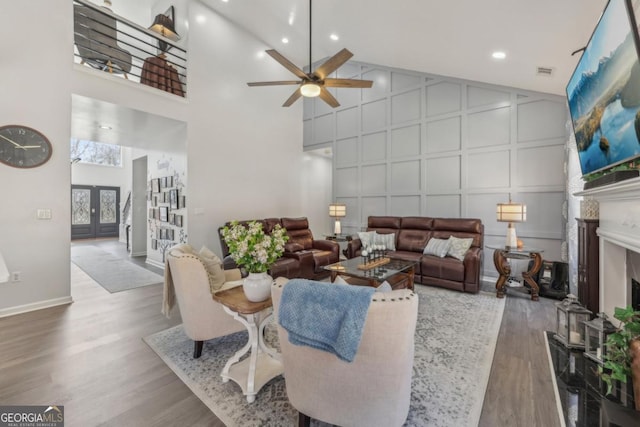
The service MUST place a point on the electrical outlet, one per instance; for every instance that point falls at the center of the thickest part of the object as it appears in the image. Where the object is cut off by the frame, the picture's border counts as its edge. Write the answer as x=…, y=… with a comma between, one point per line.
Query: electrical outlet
x=16, y=276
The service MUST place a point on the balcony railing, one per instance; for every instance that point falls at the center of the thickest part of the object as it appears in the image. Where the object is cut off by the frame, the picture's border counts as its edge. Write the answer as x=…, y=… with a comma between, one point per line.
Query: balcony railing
x=108, y=42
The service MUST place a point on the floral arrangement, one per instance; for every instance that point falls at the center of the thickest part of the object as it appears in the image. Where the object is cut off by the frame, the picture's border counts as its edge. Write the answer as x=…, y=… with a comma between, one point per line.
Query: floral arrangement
x=252, y=248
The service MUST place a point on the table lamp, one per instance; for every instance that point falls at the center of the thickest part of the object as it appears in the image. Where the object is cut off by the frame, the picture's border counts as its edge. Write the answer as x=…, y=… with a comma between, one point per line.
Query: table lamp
x=337, y=211
x=511, y=212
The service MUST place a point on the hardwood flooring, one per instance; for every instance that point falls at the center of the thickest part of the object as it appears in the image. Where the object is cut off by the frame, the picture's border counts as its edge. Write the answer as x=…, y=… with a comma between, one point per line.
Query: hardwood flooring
x=89, y=356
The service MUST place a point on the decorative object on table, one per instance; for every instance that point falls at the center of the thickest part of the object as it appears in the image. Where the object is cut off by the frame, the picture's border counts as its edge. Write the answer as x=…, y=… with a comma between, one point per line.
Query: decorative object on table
x=622, y=358
x=596, y=332
x=511, y=212
x=23, y=147
x=253, y=249
x=589, y=208
x=314, y=83
x=570, y=318
x=337, y=211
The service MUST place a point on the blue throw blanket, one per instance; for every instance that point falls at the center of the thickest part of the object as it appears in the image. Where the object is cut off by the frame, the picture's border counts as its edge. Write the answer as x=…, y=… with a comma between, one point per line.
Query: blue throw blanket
x=326, y=316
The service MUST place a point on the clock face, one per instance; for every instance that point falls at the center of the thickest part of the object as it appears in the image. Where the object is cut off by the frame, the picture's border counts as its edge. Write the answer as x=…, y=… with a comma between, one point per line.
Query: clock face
x=23, y=147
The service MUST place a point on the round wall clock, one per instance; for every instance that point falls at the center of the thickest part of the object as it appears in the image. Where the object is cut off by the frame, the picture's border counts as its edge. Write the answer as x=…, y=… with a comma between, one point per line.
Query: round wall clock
x=23, y=147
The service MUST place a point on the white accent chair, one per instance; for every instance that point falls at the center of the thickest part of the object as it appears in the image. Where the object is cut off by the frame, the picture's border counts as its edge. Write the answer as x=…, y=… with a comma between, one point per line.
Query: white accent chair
x=202, y=317
x=374, y=389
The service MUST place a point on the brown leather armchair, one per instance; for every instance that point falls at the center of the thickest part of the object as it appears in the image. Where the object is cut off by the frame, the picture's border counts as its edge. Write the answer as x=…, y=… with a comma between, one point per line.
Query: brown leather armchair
x=312, y=254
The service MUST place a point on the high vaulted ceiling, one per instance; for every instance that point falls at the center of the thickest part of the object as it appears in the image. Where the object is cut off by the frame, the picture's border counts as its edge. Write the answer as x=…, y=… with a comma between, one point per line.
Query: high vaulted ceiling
x=447, y=37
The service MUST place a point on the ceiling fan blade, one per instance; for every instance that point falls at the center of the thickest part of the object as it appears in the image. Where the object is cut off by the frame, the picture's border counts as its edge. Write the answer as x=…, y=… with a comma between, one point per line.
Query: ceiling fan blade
x=326, y=96
x=293, y=98
x=287, y=64
x=348, y=83
x=332, y=64
x=282, y=82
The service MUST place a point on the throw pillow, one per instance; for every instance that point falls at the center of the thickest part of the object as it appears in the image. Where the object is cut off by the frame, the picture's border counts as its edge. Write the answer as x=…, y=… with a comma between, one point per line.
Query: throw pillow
x=386, y=240
x=459, y=247
x=366, y=237
x=213, y=265
x=437, y=247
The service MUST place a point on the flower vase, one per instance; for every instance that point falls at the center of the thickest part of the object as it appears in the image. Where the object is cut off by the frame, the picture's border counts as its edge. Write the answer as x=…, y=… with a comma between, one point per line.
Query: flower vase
x=257, y=286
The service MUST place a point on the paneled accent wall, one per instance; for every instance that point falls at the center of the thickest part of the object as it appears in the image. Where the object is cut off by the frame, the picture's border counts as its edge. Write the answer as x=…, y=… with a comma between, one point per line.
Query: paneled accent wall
x=420, y=144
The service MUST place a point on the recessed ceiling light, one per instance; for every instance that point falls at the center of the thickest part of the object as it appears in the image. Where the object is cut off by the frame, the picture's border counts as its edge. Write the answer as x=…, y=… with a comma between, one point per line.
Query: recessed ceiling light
x=334, y=37
x=285, y=40
x=225, y=1
x=105, y=127
x=200, y=19
x=499, y=55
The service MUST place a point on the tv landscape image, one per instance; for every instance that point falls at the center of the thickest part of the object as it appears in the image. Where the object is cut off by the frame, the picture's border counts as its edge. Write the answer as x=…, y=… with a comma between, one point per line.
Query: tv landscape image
x=604, y=93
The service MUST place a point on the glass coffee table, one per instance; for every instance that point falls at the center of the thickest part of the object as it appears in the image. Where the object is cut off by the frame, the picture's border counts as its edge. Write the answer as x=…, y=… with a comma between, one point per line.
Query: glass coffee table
x=399, y=273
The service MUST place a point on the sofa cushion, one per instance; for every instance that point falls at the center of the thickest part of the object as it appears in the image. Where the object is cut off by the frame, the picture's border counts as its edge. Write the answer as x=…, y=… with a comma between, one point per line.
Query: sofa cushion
x=447, y=268
x=459, y=247
x=388, y=240
x=389, y=222
x=412, y=239
x=298, y=231
x=437, y=247
x=366, y=237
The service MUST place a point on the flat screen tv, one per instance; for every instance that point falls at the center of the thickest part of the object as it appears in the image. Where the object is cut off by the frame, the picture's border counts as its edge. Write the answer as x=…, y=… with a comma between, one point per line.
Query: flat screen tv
x=604, y=92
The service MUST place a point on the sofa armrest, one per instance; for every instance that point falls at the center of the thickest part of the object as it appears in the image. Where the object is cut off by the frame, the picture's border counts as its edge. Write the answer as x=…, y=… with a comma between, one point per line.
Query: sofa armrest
x=305, y=258
x=472, y=265
x=327, y=245
x=353, y=247
x=293, y=247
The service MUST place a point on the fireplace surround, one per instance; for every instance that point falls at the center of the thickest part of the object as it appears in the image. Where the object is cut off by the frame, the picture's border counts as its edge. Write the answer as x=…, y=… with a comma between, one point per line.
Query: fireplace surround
x=619, y=240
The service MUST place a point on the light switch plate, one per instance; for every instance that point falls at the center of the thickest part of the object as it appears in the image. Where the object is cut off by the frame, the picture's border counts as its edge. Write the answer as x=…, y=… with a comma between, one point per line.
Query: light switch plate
x=43, y=214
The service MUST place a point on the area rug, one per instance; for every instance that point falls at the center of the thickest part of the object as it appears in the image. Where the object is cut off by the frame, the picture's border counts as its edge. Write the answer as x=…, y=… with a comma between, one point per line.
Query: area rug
x=112, y=273
x=454, y=345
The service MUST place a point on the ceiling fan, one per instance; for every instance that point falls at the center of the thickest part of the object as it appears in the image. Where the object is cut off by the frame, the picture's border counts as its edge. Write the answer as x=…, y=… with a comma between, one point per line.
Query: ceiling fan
x=314, y=83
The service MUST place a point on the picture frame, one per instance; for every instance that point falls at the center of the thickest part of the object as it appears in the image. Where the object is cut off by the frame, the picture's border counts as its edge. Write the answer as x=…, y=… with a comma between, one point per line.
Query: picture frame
x=173, y=199
x=154, y=202
x=163, y=182
x=169, y=181
x=172, y=218
x=183, y=202
x=164, y=213
x=170, y=234
x=155, y=185
x=154, y=244
x=178, y=220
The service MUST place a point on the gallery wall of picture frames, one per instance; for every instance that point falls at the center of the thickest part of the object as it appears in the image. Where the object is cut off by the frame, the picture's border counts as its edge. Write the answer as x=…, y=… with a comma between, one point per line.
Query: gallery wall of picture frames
x=165, y=200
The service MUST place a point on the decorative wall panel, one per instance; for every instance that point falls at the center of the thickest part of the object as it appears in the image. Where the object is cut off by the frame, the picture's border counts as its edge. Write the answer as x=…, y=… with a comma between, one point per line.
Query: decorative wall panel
x=443, y=206
x=405, y=107
x=346, y=151
x=443, y=135
x=443, y=175
x=374, y=115
x=488, y=170
x=374, y=146
x=405, y=177
x=405, y=141
x=323, y=129
x=540, y=166
x=481, y=96
x=347, y=122
x=400, y=81
x=372, y=206
x=443, y=98
x=489, y=128
x=374, y=179
x=541, y=120
x=346, y=182
x=405, y=205
x=380, y=86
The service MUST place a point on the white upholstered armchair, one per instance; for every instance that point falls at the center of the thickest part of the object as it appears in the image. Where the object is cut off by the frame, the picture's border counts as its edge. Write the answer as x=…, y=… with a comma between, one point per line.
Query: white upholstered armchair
x=202, y=317
x=372, y=390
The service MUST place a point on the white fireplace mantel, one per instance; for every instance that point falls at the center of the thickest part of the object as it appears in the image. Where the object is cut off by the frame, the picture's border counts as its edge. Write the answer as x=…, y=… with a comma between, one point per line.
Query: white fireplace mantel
x=619, y=231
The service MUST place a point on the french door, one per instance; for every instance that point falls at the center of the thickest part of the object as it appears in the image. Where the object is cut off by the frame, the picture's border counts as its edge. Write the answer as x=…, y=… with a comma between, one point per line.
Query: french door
x=95, y=211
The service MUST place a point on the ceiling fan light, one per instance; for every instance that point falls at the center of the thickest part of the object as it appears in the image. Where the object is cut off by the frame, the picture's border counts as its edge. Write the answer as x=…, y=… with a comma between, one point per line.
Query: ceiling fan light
x=310, y=90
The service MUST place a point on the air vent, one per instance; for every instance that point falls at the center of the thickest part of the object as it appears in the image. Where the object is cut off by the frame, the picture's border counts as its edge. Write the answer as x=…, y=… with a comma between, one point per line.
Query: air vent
x=544, y=71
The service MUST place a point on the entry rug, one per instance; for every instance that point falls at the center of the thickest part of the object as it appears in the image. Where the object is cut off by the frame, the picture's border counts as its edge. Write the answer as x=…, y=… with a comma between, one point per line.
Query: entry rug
x=455, y=341
x=112, y=273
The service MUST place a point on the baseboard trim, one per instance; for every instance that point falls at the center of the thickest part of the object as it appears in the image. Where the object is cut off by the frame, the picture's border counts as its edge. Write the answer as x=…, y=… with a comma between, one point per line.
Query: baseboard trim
x=155, y=263
x=10, y=311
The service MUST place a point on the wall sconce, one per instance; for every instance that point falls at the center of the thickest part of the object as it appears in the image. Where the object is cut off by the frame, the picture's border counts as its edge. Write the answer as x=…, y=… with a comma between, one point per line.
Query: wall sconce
x=337, y=211
x=164, y=24
x=511, y=212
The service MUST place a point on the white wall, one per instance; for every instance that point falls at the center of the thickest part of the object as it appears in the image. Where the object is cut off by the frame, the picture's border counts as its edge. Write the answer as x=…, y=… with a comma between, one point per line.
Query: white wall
x=37, y=96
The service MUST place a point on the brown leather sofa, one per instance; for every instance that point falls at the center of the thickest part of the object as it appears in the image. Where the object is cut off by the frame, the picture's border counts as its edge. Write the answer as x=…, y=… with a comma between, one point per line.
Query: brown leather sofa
x=304, y=257
x=411, y=237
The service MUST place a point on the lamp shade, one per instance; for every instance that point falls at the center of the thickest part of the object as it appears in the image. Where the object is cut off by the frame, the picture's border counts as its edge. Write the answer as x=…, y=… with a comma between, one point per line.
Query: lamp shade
x=337, y=210
x=511, y=212
x=164, y=25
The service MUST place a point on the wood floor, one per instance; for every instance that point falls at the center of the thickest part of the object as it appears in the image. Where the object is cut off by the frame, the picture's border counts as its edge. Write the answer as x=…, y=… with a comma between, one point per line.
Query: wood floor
x=89, y=356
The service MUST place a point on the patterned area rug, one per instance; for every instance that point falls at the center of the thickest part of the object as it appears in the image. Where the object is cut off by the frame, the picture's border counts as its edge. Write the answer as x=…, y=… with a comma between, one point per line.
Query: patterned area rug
x=112, y=273
x=454, y=345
